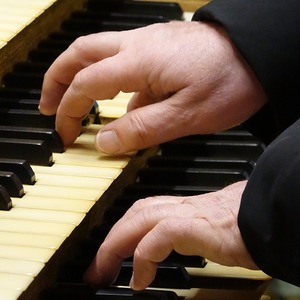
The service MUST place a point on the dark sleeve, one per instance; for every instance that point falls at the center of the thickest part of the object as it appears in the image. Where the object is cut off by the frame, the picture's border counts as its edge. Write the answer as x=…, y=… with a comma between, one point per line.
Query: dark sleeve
x=269, y=216
x=267, y=34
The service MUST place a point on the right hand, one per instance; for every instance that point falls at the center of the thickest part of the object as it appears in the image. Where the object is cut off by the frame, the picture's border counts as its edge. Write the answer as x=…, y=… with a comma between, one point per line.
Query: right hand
x=203, y=225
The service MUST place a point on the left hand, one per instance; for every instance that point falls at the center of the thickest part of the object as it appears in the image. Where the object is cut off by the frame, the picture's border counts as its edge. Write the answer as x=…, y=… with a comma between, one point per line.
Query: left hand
x=188, y=78
x=204, y=225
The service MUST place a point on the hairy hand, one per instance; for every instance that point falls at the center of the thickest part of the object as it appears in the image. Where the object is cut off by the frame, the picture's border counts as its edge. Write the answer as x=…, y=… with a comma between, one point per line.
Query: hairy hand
x=204, y=225
x=187, y=77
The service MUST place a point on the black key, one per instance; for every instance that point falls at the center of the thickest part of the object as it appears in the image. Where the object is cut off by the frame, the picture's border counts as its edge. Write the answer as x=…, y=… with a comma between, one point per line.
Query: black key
x=228, y=135
x=25, y=117
x=190, y=176
x=90, y=26
x=50, y=43
x=20, y=167
x=170, y=10
x=19, y=103
x=31, y=67
x=201, y=162
x=141, y=190
x=5, y=201
x=23, y=80
x=120, y=293
x=216, y=149
x=167, y=276
x=12, y=184
x=68, y=37
x=117, y=16
x=185, y=260
x=13, y=92
x=50, y=136
x=63, y=291
x=45, y=56
x=35, y=152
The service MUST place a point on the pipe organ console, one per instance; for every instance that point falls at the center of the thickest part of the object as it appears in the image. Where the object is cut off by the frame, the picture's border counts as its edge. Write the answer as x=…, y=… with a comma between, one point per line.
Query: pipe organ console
x=56, y=204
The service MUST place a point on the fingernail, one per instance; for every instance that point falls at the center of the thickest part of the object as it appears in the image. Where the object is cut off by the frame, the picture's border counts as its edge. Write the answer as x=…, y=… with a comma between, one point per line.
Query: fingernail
x=108, y=142
x=131, y=283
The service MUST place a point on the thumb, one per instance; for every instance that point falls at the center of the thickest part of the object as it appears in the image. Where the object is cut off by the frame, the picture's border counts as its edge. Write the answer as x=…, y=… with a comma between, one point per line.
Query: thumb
x=143, y=127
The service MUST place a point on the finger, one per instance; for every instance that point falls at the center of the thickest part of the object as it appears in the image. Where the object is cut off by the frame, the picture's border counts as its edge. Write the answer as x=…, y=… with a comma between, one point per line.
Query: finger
x=100, y=80
x=82, y=53
x=124, y=238
x=155, y=203
x=141, y=99
x=147, y=126
x=168, y=235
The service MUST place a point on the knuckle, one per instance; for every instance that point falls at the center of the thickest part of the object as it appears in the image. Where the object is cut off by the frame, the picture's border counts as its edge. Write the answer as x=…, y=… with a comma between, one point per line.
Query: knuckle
x=142, y=131
x=78, y=83
x=79, y=46
x=137, y=205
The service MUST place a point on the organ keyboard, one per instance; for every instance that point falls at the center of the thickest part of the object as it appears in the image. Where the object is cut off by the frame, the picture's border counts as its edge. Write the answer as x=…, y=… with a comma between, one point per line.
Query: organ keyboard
x=63, y=198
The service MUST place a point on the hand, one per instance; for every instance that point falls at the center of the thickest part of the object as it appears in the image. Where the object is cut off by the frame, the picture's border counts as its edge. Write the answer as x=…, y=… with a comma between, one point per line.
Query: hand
x=204, y=225
x=205, y=84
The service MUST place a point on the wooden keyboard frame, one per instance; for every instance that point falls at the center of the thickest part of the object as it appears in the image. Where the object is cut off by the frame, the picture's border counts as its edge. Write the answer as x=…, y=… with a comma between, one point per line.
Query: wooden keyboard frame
x=17, y=49
x=48, y=276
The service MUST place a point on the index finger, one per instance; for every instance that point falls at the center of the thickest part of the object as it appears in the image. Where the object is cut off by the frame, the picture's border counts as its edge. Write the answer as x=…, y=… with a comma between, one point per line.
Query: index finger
x=125, y=236
x=84, y=52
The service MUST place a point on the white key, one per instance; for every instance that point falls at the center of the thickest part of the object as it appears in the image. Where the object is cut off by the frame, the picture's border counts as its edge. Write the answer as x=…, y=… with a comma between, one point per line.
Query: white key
x=72, y=181
x=6, y=36
x=31, y=240
x=70, y=205
x=63, y=192
x=73, y=170
x=2, y=44
x=67, y=158
x=60, y=217
x=26, y=253
x=11, y=27
x=35, y=227
x=14, y=282
x=9, y=294
x=21, y=267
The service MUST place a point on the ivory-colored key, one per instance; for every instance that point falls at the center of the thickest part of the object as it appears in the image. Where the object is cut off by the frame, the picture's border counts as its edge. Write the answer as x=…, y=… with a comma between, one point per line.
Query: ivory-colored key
x=103, y=160
x=36, y=227
x=14, y=282
x=72, y=181
x=31, y=240
x=60, y=204
x=15, y=19
x=114, y=108
x=26, y=253
x=71, y=170
x=41, y=4
x=2, y=44
x=63, y=192
x=21, y=267
x=83, y=152
x=11, y=27
x=6, y=36
x=9, y=294
x=30, y=12
x=43, y=215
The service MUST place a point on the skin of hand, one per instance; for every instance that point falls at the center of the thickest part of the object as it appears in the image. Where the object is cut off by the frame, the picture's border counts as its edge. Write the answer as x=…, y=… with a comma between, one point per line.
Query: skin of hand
x=204, y=225
x=188, y=78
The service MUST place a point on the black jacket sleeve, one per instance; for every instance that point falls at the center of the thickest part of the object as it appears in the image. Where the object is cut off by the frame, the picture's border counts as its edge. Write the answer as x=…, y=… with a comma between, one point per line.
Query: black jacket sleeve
x=269, y=215
x=267, y=34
